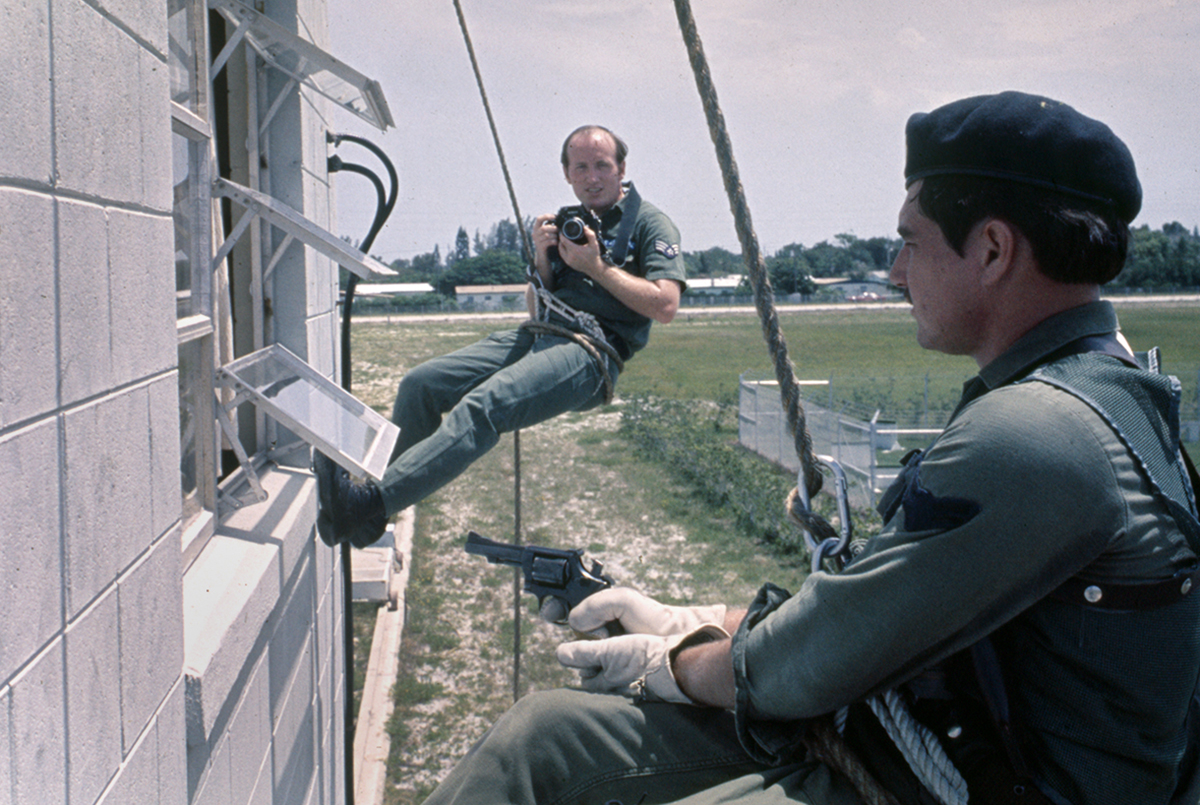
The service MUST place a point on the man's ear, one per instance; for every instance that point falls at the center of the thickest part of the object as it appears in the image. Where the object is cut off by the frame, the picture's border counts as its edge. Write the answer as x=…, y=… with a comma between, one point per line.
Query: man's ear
x=998, y=244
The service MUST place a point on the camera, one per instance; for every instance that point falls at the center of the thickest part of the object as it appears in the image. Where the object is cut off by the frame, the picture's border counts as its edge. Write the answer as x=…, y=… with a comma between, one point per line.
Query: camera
x=571, y=222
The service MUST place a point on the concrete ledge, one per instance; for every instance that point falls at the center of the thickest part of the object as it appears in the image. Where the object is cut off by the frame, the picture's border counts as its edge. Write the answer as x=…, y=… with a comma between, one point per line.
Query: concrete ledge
x=371, y=742
x=232, y=589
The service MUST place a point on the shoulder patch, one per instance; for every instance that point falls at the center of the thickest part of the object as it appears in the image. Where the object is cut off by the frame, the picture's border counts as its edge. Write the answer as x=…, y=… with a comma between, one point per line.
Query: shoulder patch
x=924, y=511
x=666, y=249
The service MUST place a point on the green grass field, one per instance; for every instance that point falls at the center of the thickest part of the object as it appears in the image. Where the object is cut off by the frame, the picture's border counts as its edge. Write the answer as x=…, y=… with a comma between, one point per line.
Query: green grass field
x=870, y=357
x=585, y=487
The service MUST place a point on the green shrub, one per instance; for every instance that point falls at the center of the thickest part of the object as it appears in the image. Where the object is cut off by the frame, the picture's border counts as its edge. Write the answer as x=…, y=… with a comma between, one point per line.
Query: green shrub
x=696, y=441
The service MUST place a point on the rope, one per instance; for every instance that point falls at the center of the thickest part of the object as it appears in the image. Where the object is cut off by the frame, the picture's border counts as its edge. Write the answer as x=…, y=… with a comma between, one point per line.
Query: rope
x=919, y=746
x=921, y=749
x=827, y=746
x=527, y=249
x=785, y=374
x=526, y=245
x=592, y=345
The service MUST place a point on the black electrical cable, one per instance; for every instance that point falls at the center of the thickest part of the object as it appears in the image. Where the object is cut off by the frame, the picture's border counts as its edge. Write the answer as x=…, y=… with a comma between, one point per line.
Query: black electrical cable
x=385, y=203
x=382, y=211
x=336, y=164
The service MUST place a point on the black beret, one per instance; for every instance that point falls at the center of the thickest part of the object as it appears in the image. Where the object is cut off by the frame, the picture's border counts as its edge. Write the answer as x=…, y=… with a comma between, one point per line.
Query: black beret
x=1025, y=138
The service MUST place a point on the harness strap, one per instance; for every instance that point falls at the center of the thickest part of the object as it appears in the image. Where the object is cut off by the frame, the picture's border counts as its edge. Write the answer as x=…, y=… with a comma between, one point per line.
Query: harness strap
x=1111, y=597
x=629, y=213
x=597, y=347
x=1103, y=344
x=1128, y=597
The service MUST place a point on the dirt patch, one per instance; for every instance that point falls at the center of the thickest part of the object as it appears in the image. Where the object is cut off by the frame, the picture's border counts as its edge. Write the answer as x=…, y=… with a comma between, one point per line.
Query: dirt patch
x=459, y=644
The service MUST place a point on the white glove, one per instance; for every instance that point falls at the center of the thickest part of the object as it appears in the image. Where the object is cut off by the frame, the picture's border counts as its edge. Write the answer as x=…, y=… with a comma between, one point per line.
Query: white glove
x=634, y=665
x=638, y=614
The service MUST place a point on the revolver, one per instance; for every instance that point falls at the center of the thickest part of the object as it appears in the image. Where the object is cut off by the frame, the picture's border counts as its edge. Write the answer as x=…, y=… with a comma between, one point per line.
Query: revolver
x=552, y=572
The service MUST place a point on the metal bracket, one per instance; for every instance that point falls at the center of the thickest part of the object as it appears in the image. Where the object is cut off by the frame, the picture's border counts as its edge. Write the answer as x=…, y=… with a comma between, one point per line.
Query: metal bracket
x=225, y=420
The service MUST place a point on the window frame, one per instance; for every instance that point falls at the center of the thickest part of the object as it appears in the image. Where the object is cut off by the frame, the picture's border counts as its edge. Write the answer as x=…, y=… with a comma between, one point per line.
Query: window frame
x=192, y=210
x=204, y=329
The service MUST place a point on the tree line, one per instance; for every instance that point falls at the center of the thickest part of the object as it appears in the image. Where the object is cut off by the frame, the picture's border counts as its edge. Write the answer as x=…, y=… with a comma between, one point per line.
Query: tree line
x=1162, y=259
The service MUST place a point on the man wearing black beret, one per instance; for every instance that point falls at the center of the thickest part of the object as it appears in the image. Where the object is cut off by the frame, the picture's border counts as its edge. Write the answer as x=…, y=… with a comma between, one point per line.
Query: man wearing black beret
x=1024, y=627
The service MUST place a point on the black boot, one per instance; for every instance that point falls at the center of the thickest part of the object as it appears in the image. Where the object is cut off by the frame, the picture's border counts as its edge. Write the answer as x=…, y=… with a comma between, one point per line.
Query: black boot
x=347, y=511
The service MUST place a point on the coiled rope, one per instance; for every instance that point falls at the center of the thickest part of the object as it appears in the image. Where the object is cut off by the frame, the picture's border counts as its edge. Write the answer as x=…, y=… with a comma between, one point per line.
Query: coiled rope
x=919, y=747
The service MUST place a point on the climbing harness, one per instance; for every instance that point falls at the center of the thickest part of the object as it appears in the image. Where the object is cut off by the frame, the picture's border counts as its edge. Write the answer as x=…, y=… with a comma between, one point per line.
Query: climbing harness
x=582, y=328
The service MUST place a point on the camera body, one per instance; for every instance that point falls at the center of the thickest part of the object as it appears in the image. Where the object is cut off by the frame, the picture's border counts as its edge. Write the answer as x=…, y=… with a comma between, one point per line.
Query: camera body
x=572, y=220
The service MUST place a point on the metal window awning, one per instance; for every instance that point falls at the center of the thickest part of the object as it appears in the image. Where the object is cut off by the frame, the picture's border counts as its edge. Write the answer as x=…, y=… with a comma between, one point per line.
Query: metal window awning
x=313, y=407
x=304, y=62
x=295, y=225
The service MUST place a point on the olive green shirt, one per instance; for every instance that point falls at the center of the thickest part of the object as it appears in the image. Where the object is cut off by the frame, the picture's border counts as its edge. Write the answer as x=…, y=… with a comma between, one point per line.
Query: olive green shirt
x=1026, y=488
x=653, y=253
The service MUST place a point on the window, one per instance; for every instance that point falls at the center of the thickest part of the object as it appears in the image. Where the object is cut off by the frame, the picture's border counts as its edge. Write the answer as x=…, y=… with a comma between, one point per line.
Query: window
x=191, y=140
x=304, y=62
x=325, y=416
x=211, y=382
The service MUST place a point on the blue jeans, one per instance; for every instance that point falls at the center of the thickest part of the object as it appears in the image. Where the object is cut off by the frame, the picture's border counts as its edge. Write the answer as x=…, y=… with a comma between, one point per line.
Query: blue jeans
x=568, y=747
x=452, y=409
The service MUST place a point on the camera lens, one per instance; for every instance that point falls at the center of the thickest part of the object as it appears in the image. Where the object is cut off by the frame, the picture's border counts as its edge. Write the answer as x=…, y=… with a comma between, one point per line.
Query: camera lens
x=572, y=229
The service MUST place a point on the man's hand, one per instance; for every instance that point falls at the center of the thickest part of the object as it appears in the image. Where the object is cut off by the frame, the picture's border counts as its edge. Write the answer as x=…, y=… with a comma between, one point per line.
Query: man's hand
x=657, y=299
x=636, y=665
x=583, y=257
x=638, y=614
x=544, y=235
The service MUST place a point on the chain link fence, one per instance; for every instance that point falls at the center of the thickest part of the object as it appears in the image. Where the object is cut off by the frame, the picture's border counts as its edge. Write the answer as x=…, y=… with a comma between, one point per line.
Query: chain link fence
x=868, y=445
x=869, y=448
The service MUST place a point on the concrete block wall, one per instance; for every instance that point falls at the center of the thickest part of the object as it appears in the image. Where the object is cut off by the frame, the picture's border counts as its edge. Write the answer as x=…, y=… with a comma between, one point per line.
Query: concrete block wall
x=122, y=678
x=91, y=647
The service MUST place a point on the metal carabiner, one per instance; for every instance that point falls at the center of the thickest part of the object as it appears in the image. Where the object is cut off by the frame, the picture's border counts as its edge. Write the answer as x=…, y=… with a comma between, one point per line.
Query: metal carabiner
x=836, y=548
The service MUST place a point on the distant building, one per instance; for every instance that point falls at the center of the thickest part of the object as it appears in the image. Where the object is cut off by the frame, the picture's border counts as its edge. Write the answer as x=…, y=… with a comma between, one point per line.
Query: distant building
x=393, y=289
x=490, y=297
x=385, y=292
x=873, y=287
x=714, y=286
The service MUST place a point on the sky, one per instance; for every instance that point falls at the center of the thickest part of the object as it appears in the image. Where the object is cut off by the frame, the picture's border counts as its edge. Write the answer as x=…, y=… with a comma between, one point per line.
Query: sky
x=815, y=97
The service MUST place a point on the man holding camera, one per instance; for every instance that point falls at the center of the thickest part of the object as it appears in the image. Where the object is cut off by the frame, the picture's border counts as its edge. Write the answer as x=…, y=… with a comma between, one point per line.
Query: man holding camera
x=1024, y=629
x=593, y=298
